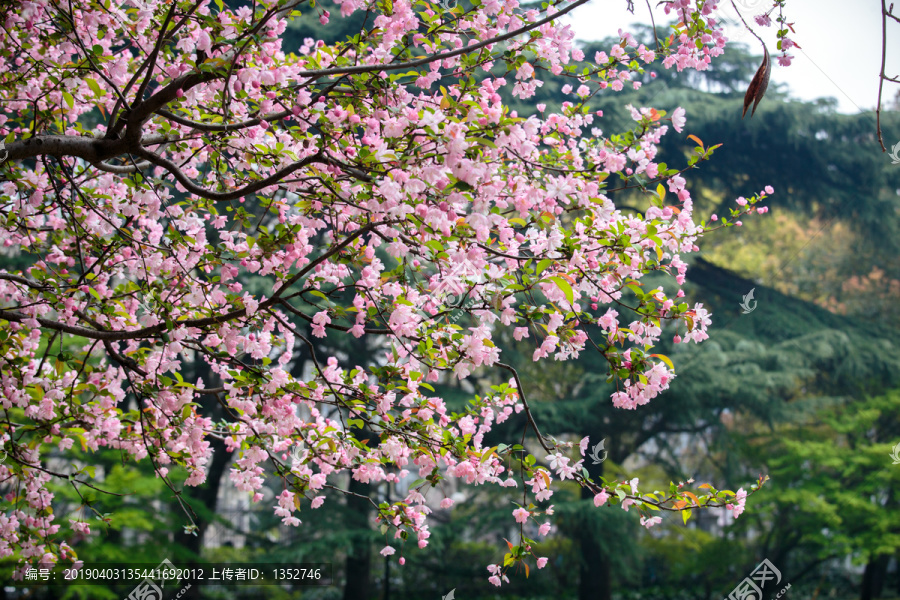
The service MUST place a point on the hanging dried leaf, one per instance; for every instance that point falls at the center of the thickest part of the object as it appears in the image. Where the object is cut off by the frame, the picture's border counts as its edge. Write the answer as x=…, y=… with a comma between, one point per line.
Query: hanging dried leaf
x=758, y=86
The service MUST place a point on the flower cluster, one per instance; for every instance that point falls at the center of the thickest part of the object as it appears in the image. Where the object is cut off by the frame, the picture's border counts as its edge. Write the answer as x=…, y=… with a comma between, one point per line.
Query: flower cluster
x=239, y=202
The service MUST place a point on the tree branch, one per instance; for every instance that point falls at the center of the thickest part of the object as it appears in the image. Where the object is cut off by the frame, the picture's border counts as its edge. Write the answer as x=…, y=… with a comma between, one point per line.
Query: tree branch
x=195, y=189
x=438, y=57
x=196, y=125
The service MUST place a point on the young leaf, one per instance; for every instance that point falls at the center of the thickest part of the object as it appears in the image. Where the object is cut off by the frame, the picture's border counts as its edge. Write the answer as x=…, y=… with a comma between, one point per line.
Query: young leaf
x=564, y=286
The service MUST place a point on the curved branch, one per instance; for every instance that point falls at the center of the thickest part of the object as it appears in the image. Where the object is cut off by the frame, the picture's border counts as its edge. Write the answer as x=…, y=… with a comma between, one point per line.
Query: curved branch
x=144, y=110
x=343, y=328
x=195, y=189
x=196, y=125
x=121, y=169
x=444, y=55
x=521, y=392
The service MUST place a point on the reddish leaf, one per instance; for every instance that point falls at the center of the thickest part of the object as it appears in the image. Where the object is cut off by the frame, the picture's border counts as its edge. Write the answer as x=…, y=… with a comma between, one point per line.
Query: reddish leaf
x=692, y=496
x=758, y=86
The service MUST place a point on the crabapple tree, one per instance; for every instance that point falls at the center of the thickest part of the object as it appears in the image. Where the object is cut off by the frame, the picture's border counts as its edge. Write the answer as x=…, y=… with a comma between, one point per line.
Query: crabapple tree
x=159, y=153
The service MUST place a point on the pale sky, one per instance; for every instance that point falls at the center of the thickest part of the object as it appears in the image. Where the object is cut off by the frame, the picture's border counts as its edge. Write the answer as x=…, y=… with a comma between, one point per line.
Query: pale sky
x=840, y=39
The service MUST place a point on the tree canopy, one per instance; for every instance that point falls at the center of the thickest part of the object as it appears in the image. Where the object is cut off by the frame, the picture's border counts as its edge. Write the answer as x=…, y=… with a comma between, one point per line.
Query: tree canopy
x=190, y=207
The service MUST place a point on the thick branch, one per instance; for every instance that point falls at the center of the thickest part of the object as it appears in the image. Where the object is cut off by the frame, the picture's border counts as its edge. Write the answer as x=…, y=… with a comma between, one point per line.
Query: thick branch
x=143, y=111
x=91, y=149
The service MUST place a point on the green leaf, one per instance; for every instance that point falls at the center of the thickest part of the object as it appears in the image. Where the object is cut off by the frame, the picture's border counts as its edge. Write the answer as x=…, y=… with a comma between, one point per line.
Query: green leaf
x=665, y=359
x=95, y=87
x=70, y=100
x=565, y=286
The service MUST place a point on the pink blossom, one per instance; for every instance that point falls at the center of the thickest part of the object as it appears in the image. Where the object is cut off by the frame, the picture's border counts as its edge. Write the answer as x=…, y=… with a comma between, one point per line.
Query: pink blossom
x=648, y=523
x=678, y=119
x=740, y=500
x=429, y=175
x=583, y=444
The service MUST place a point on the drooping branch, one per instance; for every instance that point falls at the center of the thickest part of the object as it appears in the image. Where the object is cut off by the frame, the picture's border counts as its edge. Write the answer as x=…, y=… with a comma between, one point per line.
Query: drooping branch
x=882, y=77
x=521, y=392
